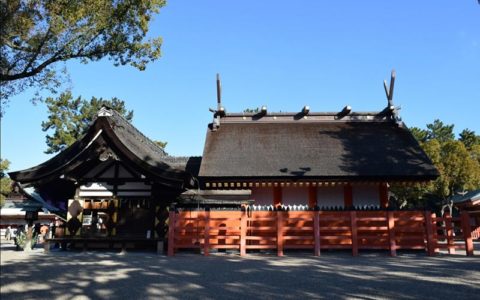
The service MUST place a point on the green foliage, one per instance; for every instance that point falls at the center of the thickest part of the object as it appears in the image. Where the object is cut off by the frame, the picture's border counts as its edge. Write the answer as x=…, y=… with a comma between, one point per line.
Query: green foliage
x=458, y=171
x=458, y=162
x=21, y=239
x=5, y=181
x=36, y=35
x=69, y=118
x=438, y=131
x=419, y=134
x=251, y=110
x=161, y=144
x=475, y=152
x=469, y=138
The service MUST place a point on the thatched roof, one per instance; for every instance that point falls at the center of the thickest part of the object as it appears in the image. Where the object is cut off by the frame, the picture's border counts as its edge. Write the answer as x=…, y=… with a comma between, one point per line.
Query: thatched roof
x=109, y=134
x=321, y=146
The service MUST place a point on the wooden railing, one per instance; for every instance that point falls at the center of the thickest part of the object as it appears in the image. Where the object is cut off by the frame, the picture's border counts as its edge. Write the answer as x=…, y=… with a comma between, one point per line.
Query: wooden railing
x=452, y=233
x=476, y=233
x=316, y=230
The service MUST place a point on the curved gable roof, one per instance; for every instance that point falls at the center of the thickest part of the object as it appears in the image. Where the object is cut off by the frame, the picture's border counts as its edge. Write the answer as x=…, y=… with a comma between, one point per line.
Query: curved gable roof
x=109, y=130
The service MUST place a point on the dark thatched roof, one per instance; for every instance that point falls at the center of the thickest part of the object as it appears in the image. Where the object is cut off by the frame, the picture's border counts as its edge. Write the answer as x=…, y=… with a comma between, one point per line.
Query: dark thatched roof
x=110, y=132
x=308, y=149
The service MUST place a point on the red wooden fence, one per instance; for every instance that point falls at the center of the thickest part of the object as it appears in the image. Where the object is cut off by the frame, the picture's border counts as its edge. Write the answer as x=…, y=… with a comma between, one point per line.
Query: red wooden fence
x=476, y=233
x=316, y=230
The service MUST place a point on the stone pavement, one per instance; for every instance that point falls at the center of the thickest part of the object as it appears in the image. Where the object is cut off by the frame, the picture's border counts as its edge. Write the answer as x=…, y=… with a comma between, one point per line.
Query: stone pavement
x=145, y=275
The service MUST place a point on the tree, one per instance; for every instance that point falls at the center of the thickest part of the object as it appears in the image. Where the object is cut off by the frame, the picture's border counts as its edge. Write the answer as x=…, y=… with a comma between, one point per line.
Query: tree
x=37, y=35
x=419, y=134
x=437, y=130
x=469, y=138
x=458, y=171
x=458, y=162
x=5, y=181
x=69, y=118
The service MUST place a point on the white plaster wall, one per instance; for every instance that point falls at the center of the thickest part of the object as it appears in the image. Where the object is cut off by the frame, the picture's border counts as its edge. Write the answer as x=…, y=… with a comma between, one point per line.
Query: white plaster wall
x=366, y=195
x=294, y=195
x=262, y=196
x=330, y=196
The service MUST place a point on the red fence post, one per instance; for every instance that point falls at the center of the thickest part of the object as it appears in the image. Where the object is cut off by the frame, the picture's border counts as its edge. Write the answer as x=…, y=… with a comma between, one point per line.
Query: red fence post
x=243, y=232
x=279, y=233
x=391, y=233
x=353, y=225
x=316, y=232
x=206, y=243
x=171, y=232
x=430, y=235
x=449, y=231
x=467, y=233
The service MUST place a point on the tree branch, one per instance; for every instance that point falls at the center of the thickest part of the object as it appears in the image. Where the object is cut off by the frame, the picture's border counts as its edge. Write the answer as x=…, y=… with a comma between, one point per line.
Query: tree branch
x=39, y=48
x=11, y=45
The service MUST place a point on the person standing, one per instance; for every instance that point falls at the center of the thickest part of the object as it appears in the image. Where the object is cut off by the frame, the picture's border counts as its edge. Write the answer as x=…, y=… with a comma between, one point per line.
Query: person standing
x=8, y=233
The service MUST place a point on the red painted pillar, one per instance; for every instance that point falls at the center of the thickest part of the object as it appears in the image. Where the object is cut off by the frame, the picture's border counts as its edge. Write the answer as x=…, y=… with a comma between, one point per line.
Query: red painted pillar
x=277, y=196
x=467, y=232
x=206, y=244
x=312, y=196
x=353, y=227
x=430, y=227
x=391, y=233
x=316, y=232
x=243, y=232
x=348, y=195
x=279, y=233
x=383, y=191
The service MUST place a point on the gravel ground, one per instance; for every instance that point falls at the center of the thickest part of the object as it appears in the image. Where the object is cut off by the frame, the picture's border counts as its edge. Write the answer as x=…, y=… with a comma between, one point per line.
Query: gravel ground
x=143, y=275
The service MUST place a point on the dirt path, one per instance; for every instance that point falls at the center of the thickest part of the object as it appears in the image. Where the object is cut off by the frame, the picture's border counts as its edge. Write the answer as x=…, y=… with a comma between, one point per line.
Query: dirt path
x=107, y=275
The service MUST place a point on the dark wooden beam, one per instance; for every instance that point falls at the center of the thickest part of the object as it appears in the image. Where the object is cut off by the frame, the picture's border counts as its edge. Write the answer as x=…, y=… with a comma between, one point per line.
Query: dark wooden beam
x=277, y=196
x=348, y=195
x=312, y=196
x=383, y=193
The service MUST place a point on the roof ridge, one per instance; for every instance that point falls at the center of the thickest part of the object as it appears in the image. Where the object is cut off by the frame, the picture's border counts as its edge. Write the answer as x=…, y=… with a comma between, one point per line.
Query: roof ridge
x=106, y=111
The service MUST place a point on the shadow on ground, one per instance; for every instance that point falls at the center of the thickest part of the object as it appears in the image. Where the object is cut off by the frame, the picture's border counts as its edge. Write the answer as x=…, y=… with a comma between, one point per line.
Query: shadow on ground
x=107, y=275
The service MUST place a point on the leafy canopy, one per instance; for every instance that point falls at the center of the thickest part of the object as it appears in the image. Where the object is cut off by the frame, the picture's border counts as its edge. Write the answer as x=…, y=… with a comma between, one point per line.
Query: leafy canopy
x=458, y=162
x=469, y=138
x=436, y=130
x=5, y=181
x=35, y=35
x=69, y=118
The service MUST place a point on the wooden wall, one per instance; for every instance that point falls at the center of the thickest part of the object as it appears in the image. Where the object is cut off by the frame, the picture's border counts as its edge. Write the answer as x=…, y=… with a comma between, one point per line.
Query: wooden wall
x=324, y=196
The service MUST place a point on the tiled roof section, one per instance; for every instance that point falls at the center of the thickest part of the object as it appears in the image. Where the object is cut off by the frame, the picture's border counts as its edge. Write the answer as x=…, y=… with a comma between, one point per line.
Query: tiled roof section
x=190, y=164
x=361, y=146
x=469, y=196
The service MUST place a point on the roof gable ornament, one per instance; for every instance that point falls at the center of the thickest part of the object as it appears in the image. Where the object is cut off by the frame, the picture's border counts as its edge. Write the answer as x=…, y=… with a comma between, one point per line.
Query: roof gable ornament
x=220, y=111
x=105, y=111
x=391, y=109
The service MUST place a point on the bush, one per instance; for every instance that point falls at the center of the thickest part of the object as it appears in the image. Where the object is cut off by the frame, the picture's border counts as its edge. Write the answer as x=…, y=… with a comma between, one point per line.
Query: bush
x=21, y=239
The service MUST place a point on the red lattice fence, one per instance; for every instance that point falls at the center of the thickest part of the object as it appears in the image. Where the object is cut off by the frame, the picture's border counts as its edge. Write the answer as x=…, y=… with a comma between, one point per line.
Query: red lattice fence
x=317, y=230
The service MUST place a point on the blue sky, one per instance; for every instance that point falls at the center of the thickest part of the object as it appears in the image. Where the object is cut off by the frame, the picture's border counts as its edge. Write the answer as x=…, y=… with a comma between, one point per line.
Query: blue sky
x=283, y=54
